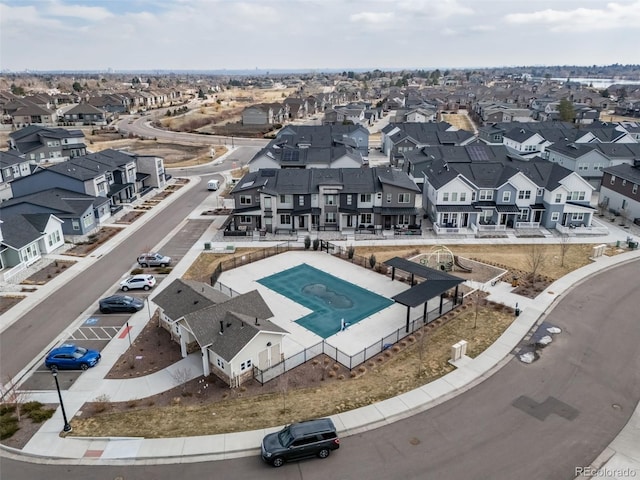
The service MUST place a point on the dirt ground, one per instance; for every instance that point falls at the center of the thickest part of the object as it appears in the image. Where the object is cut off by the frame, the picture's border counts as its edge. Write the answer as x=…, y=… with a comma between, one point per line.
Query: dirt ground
x=47, y=273
x=8, y=301
x=95, y=240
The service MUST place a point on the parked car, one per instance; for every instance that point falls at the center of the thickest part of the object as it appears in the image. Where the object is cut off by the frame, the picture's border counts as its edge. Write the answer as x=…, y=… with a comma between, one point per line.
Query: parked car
x=71, y=357
x=120, y=303
x=146, y=282
x=153, y=259
x=300, y=440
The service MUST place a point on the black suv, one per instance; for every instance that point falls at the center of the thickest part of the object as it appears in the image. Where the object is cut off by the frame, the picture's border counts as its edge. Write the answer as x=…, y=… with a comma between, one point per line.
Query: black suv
x=300, y=440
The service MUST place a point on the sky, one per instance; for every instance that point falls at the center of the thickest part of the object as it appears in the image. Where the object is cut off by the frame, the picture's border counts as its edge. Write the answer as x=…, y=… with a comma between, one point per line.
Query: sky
x=312, y=35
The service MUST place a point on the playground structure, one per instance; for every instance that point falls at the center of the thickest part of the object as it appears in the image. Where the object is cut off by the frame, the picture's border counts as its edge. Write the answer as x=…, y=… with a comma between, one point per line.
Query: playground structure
x=441, y=258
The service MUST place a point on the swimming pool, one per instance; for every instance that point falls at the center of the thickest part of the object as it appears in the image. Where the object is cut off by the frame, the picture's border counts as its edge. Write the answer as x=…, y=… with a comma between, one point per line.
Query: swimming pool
x=331, y=299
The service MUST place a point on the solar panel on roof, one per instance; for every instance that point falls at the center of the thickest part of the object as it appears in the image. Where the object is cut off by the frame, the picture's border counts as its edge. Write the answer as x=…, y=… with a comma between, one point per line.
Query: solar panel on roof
x=477, y=153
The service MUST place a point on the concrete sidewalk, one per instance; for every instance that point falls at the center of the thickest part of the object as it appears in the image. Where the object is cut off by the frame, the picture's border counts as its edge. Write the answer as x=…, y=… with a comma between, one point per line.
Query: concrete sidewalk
x=47, y=444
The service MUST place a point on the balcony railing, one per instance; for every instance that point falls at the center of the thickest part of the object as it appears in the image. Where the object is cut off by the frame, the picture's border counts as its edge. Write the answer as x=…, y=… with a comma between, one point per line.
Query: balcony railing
x=491, y=228
x=527, y=224
x=582, y=230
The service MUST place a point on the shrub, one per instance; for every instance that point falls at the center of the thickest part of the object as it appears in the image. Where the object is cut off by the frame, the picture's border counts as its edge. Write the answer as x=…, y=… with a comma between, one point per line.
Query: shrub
x=137, y=271
x=362, y=368
x=396, y=348
x=332, y=373
x=372, y=260
x=336, y=367
x=31, y=406
x=8, y=426
x=6, y=409
x=340, y=377
x=40, y=415
x=316, y=243
x=351, y=252
x=307, y=242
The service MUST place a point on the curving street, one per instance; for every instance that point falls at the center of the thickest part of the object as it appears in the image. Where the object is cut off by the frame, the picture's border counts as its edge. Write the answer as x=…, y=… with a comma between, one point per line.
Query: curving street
x=526, y=421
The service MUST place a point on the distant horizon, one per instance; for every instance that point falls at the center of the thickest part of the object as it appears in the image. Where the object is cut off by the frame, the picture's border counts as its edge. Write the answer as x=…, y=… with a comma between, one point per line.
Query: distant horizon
x=266, y=71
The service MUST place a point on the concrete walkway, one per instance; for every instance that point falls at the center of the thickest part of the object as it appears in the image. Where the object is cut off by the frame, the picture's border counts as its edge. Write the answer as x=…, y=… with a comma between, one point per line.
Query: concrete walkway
x=46, y=444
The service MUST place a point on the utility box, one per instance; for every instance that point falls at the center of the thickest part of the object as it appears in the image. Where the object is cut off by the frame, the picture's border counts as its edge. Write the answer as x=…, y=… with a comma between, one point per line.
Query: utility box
x=456, y=352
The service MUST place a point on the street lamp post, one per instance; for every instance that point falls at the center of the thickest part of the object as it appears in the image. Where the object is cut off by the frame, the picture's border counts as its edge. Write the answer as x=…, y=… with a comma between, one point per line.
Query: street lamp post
x=67, y=426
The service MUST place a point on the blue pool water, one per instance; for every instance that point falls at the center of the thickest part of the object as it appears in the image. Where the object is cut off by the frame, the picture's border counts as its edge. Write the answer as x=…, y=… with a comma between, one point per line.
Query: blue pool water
x=331, y=299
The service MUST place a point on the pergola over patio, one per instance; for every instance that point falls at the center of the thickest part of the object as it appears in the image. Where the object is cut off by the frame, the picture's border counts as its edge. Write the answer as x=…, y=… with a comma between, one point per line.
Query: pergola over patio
x=436, y=283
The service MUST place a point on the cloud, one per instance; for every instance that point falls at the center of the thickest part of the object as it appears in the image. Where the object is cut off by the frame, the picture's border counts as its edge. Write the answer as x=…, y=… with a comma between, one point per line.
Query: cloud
x=93, y=14
x=434, y=8
x=372, y=18
x=612, y=16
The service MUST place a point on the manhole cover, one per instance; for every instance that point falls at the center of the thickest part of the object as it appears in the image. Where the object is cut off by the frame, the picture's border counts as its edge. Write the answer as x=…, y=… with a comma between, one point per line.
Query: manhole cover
x=414, y=441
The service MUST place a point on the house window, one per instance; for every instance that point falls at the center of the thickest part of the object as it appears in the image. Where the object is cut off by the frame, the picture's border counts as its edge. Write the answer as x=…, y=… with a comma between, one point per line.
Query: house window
x=329, y=199
x=634, y=190
x=389, y=197
x=245, y=199
x=555, y=216
x=463, y=196
x=365, y=218
x=245, y=219
x=624, y=182
x=330, y=217
x=301, y=200
x=506, y=197
x=403, y=198
x=75, y=224
x=220, y=363
x=583, y=166
x=540, y=192
x=454, y=197
x=558, y=198
x=349, y=200
x=404, y=219
x=285, y=219
x=365, y=198
x=577, y=216
x=245, y=365
x=445, y=197
x=286, y=199
x=613, y=179
x=524, y=214
x=576, y=196
x=524, y=194
x=486, y=195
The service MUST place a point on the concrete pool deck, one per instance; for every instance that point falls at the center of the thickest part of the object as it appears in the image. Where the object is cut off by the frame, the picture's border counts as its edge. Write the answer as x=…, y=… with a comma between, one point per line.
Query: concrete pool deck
x=356, y=337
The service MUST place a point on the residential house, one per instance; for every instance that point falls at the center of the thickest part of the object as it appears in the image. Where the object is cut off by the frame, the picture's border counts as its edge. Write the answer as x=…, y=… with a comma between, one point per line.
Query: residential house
x=84, y=114
x=233, y=334
x=46, y=144
x=81, y=213
x=297, y=107
x=590, y=159
x=264, y=114
x=347, y=200
x=481, y=189
x=12, y=166
x=399, y=138
x=620, y=190
x=26, y=113
x=24, y=239
x=117, y=175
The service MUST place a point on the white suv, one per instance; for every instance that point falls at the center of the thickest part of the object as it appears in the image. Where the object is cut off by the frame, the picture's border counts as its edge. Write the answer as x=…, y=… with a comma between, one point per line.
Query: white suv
x=145, y=282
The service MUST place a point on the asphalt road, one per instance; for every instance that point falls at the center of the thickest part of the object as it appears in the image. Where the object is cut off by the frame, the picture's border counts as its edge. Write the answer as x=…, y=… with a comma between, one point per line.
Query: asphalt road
x=47, y=320
x=141, y=127
x=526, y=421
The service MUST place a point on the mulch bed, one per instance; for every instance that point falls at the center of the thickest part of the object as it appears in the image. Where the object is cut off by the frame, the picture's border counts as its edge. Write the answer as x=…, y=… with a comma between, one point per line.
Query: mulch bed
x=95, y=240
x=47, y=273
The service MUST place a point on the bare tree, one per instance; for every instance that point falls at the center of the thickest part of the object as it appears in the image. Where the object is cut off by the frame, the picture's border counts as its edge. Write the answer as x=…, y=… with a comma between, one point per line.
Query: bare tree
x=10, y=394
x=181, y=376
x=422, y=343
x=564, y=247
x=535, y=259
x=283, y=383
